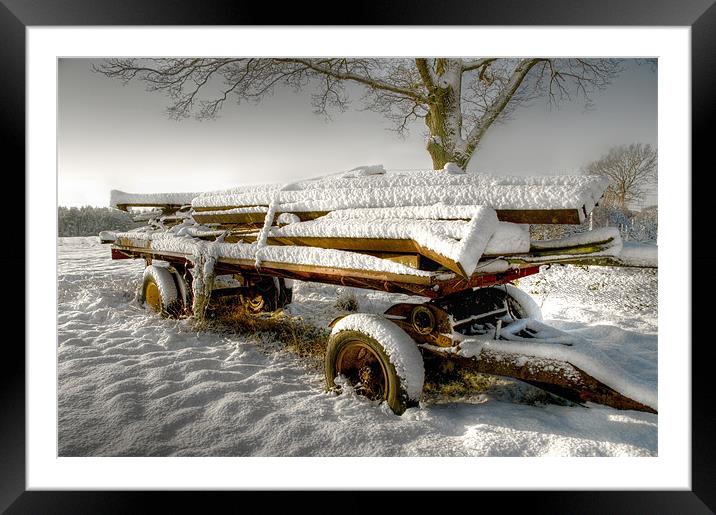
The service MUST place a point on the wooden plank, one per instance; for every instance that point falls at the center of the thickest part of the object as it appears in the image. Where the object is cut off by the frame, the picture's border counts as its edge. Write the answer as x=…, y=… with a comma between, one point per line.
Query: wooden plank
x=371, y=245
x=326, y=270
x=245, y=235
x=166, y=208
x=408, y=258
x=520, y=216
x=143, y=247
x=133, y=243
x=553, y=375
x=539, y=216
x=229, y=218
x=405, y=252
x=241, y=218
x=585, y=249
x=345, y=243
x=585, y=260
x=590, y=248
x=425, y=290
x=411, y=260
x=225, y=208
x=446, y=262
x=541, y=245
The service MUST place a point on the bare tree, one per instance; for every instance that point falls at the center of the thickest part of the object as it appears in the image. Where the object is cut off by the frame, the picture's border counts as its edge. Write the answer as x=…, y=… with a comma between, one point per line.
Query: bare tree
x=458, y=99
x=631, y=169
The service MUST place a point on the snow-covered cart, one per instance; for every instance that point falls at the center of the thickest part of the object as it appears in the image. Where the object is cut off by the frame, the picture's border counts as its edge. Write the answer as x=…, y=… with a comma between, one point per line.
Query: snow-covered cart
x=453, y=241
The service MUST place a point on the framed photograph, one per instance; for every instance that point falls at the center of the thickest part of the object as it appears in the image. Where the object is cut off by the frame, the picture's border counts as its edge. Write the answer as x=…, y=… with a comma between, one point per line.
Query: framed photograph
x=158, y=414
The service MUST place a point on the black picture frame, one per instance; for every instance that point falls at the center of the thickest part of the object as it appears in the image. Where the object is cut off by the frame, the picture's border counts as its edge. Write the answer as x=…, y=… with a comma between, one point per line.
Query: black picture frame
x=16, y=15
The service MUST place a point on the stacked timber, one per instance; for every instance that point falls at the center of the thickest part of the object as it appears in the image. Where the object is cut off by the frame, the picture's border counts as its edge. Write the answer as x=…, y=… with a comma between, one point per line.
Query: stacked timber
x=565, y=199
x=424, y=220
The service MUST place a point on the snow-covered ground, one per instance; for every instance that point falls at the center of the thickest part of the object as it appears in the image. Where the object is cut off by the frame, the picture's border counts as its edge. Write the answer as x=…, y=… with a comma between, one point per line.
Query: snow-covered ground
x=134, y=384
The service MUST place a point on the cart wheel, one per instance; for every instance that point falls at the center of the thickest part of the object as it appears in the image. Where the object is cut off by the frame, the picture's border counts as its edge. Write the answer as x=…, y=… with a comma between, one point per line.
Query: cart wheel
x=159, y=292
x=183, y=282
x=521, y=304
x=266, y=296
x=377, y=358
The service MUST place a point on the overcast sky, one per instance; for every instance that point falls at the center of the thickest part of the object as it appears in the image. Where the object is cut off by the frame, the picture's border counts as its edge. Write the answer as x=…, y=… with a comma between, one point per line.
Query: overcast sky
x=112, y=136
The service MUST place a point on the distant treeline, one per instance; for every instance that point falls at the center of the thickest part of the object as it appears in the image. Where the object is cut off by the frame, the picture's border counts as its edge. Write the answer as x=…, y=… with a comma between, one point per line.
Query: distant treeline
x=89, y=221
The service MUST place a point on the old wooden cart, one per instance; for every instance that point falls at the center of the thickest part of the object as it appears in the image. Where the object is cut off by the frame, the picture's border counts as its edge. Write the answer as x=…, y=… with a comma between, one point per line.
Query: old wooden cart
x=254, y=244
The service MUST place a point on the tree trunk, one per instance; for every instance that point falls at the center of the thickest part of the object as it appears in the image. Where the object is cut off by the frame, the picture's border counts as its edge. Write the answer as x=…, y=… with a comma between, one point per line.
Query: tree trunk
x=444, y=121
x=437, y=151
x=441, y=147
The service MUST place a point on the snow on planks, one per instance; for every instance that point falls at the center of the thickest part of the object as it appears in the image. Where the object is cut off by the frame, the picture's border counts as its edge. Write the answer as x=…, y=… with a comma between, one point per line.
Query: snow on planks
x=411, y=218
x=168, y=202
x=550, y=199
x=565, y=199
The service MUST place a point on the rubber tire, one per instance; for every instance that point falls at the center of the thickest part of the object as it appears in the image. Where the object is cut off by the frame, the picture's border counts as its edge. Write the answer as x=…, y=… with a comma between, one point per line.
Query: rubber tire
x=163, y=280
x=521, y=303
x=397, y=397
x=183, y=283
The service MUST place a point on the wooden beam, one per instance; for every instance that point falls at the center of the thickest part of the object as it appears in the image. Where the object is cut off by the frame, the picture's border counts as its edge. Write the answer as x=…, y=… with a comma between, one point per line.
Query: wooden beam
x=553, y=375
x=309, y=270
x=242, y=218
x=166, y=208
x=344, y=243
x=586, y=248
x=539, y=216
x=229, y=218
x=585, y=260
x=520, y=216
x=371, y=245
x=411, y=260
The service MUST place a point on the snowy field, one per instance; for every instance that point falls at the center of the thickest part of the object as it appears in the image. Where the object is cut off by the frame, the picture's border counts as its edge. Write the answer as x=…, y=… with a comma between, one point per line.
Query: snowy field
x=134, y=384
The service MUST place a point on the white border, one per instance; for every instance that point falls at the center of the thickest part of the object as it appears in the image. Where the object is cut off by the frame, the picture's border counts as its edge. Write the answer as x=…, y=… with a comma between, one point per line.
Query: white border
x=671, y=469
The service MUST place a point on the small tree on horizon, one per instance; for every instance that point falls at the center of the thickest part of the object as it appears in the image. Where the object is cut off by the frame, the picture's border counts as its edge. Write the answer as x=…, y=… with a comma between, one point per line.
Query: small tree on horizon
x=457, y=99
x=631, y=169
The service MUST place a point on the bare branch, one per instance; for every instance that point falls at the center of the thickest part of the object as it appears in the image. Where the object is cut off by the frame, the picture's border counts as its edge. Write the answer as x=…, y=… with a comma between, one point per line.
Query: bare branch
x=500, y=101
x=477, y=64
x=366, y=80
x=426, y=73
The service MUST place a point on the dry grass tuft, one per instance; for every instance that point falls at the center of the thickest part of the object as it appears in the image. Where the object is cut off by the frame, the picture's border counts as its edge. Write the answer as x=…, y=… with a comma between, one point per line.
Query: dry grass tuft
x=447, y=380
x=296, y=336
x=347, y=301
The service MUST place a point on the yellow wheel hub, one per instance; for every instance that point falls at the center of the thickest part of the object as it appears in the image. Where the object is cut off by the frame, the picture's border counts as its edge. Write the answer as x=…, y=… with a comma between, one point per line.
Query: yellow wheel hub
x=253, y=305
x=153, y=298
x=256, y=303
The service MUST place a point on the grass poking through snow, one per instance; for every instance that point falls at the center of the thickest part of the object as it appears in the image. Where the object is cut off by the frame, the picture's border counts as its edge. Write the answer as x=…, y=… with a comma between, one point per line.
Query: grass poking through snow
x=293, y=333
x=347, y=301
x=447, y=381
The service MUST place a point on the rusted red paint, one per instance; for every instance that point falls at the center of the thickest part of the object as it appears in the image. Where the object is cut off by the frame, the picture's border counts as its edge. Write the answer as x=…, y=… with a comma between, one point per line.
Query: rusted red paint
x=120, y=254
x=481, y=281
